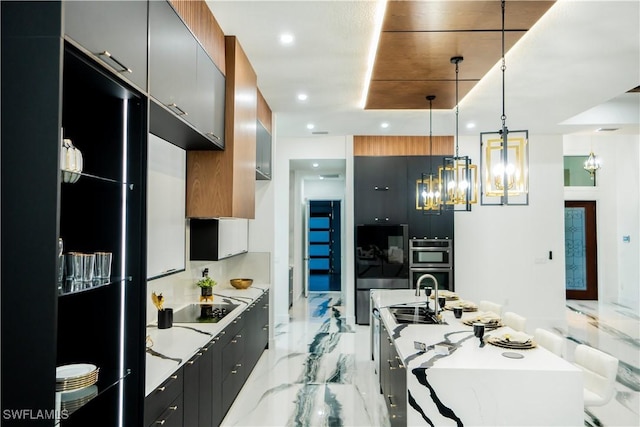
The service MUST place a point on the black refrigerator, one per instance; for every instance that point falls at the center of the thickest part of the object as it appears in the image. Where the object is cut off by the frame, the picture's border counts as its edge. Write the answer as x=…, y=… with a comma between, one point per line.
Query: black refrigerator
x=382, y=262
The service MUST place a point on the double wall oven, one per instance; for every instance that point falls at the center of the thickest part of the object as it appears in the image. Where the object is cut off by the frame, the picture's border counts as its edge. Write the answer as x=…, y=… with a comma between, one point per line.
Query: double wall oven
x=432, y=256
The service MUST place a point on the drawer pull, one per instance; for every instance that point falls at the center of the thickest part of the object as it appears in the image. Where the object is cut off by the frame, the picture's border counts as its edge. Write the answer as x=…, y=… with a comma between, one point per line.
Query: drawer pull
x=164, y=387
x=376, y=188
x=177, y=109
x=390, y=365
x=171, y=408
x=125, y=69
x=391, y=404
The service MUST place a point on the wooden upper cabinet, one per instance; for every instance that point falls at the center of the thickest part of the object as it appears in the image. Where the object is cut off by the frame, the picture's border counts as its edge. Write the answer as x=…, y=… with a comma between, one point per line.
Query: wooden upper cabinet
x=263, y=140
x=222, y=184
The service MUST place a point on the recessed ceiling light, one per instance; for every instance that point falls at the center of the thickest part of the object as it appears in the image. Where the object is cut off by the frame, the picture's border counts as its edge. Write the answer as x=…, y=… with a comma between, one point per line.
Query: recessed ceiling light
x=471, y=125
x=384, y=125
x=302, y=97
x=310, y=126
x=286, y=38
x=321, y=177
x=315, y=165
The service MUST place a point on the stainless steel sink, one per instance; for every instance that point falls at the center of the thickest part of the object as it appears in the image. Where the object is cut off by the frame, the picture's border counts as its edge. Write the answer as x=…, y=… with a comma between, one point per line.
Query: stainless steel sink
x=414, y=315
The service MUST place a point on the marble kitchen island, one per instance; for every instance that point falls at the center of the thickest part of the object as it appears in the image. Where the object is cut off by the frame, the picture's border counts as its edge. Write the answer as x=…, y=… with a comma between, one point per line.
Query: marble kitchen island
x=470, y=385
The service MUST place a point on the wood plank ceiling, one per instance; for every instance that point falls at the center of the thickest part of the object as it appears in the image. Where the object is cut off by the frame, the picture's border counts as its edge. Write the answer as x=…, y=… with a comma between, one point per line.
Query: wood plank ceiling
x=419, y=38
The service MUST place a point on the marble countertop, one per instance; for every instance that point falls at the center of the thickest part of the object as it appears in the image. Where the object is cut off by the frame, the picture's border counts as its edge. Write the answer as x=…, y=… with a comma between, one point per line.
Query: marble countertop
x=474, y=385
x=173, y=347
x=454, y=332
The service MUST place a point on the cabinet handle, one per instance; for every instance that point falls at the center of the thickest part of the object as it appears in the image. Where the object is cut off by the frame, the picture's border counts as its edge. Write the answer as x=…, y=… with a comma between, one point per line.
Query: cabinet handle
x=390, y=365
x=125, y=69
x=164, y=387
x=265, y=328
x=391, y=404
x=179, y=110
x=376, y=188
x=172, y=409
x=213, y=135
x=192, y=361
x=238, y=336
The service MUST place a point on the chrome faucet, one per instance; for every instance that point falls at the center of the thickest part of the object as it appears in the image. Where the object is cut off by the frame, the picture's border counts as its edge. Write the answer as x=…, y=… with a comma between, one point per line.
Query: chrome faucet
x=429, y=276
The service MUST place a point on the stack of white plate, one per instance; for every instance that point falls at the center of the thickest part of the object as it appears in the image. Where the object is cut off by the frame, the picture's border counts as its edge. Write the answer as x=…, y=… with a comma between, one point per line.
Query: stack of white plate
x=75, y=377
x=73, y=400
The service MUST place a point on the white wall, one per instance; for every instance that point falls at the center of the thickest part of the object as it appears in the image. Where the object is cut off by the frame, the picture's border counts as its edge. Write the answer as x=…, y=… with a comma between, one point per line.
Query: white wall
x=617, y=197
x=288, y=200
x=180, y=288
x=501, y=252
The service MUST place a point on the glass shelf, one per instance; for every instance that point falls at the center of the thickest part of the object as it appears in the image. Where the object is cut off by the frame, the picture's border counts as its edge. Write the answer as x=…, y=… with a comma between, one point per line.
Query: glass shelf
x=71, y=287
x=93, y=177
x=69, y=402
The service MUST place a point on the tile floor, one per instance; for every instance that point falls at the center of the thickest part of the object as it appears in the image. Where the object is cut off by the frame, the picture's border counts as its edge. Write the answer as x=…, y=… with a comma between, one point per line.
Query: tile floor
x=320, y=373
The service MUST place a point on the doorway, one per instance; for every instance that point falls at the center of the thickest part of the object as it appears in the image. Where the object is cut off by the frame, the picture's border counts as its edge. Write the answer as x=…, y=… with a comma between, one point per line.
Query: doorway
x=580, y=247
x=323, y=256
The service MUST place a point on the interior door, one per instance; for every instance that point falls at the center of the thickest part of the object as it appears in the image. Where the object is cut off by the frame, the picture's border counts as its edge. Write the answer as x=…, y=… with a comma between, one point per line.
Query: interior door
x=580, y=245
x=305, y=250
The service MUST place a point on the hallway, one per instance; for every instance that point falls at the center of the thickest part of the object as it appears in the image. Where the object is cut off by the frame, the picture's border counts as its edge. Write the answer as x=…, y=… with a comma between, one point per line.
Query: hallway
x=320, y=372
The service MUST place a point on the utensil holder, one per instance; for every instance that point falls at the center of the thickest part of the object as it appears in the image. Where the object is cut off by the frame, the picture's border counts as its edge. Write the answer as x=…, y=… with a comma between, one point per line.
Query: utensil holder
x=165, y=318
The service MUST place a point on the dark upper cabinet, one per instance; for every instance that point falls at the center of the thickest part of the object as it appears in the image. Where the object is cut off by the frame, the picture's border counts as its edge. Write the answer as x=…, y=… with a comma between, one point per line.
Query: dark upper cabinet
x=380, y=190
x=210, y=93
x=173, y=53
x=115, y=32
x=187, y=87
x=263, y=153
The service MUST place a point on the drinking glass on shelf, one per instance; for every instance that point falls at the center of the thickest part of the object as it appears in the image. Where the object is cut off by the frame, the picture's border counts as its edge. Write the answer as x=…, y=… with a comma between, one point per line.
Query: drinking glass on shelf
x=103, y=265
x=60, y=263
x=74, y=262
x=88, y=262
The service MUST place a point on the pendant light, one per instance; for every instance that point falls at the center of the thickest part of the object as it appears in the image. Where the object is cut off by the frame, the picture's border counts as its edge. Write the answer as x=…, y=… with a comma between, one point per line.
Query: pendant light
x=592, y=164
x=458, y=176
x=428, y=193
x=504, y=157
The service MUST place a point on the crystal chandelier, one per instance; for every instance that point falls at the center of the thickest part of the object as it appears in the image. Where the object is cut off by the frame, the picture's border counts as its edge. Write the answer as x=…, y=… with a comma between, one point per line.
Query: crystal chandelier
x=592, y=164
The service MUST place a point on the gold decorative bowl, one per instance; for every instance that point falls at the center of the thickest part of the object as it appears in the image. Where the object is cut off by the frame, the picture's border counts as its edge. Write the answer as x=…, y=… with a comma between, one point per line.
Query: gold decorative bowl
x=241, y=283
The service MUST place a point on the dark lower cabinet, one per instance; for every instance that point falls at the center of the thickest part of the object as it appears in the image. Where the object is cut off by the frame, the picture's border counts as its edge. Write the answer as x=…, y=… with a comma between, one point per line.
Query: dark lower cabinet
x=393, y=380
x=217, y=413
x=164, y=405
x=201, y=392
x=198, y=389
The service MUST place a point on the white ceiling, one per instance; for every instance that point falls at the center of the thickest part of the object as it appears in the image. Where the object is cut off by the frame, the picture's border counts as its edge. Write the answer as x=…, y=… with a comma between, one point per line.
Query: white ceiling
x=568, y=74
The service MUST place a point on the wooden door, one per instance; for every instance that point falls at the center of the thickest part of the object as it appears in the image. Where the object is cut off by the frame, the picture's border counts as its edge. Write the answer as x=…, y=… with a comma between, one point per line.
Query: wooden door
x=581, y=259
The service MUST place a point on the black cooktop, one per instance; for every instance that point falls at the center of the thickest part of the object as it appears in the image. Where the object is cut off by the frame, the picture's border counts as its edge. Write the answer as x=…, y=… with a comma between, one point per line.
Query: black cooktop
x=202, y=313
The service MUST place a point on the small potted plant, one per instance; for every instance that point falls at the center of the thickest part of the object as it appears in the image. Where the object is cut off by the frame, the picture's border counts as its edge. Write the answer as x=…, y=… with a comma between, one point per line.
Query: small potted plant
x=206, y=285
